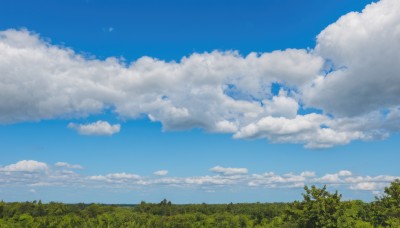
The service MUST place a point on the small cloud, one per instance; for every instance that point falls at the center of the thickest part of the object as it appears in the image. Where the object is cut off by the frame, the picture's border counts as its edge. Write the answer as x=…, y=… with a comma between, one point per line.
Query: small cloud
x=110, y=29
x=122, y=175
x=97, y=128
x=344, y=173
x=329, y=178
x=32, y=190
x=307, y=174
x=25, y=166
x=115, y=177
x=97, y=178
x=368, y=186
x=161, y=172
x=229, y=170
x=67, y=165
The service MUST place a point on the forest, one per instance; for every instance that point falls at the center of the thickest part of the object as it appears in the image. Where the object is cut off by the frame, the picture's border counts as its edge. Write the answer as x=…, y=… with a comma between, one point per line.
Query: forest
x=318, y=208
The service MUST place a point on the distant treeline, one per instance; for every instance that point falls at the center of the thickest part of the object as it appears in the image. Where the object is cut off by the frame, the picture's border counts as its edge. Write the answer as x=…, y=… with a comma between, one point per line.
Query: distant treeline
x=319, y=208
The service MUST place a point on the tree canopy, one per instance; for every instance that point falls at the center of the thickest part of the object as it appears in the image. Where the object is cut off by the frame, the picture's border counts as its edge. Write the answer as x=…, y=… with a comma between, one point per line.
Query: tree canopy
x=318, y=208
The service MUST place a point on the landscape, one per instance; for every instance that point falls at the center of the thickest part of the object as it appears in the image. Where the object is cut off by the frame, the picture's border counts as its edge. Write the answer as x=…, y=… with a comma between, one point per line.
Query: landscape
x=211, y=113
x=319, y=208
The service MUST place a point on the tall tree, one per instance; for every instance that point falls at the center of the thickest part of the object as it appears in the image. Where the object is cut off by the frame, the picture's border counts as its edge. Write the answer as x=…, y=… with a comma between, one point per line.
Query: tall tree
x=387, y=207
x=319, y=208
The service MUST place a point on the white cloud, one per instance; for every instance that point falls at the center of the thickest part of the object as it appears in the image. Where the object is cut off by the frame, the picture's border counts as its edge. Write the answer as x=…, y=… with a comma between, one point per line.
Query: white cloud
x=369, y=186
x=97, y=178
x=173, y=93
x=344, y=173
x=161, y=172
x=34, y=174
x=306, y=129
x=115, y=177
x=307, y=174
x=281, y=106
x=363, y=50
x=329, y=179
x=229, y=170
x=96, y=128
x=25, y=166
x=357, y=99
x=272, y=180
x=67, y=165
x=122, y=176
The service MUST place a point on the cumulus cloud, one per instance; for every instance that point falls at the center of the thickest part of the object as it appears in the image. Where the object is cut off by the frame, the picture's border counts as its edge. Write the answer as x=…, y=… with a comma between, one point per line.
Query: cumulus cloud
x=25, y=166
x=232, y=88
x=229, y=170
x=344, y=173
x=362, y=48
x=368, y=186
x=161, y=172
x=96, y=128
x=344, y=89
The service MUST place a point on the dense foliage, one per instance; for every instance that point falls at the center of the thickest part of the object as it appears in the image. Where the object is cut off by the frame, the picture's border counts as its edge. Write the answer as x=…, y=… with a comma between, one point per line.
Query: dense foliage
x=319, y=208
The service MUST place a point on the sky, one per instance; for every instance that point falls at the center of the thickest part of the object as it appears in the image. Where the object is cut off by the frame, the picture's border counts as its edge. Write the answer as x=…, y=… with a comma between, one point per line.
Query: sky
x=197, y=101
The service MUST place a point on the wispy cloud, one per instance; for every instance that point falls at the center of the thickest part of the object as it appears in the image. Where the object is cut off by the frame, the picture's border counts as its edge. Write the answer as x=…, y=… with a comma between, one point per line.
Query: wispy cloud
x=67, y=165
x=161, y=172
x=96, y=128
x=41, y=174
x=229, y=170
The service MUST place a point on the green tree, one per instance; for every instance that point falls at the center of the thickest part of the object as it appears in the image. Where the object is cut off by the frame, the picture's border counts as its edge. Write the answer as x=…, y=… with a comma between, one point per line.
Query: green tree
x=2, y=206
x=387, y=207
x=319, y=208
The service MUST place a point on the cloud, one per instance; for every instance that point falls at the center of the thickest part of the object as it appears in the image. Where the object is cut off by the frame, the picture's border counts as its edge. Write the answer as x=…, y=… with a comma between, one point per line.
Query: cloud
x=39, y=174
x=306, y=129
x=229, y=170
x=122, y=176
x=96, y=128
x=344, y=173
x=329, y=179
x=230, y=86
x=67, y=165
x=362, y=49
x=161, y=172
x=25, y=166
x=346, y=88
x=114, y=177
x=307, y=174
x=368, y=186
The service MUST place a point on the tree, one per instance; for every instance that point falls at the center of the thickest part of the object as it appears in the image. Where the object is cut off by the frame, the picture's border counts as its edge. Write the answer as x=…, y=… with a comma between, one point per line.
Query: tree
x=2, y=205
x=319, y=208
x=387, y=207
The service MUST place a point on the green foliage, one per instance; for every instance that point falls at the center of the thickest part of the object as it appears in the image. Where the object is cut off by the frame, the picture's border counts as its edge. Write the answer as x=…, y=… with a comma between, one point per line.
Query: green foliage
x=387, y=207
x=319, y=208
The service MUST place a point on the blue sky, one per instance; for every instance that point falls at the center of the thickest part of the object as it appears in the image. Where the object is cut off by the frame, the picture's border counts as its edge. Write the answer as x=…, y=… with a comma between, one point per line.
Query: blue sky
x=200, y=101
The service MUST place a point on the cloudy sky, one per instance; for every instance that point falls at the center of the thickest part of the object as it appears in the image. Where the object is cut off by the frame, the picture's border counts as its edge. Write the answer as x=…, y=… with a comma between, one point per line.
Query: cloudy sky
x=200, y=101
